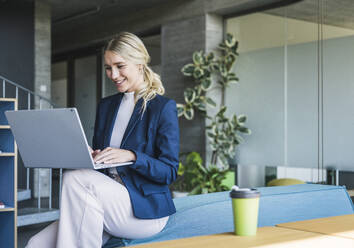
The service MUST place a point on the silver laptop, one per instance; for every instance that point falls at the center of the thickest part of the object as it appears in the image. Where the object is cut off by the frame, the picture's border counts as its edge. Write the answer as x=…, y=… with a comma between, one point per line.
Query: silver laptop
x=52, y=138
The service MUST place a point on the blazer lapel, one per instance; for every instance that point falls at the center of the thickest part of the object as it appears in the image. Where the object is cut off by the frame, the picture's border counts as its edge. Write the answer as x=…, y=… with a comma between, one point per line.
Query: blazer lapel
x=134, y=119
x=111, y=116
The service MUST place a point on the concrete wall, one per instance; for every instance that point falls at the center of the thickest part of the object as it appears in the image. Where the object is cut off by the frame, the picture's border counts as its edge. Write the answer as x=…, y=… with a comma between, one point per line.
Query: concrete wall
x=16, y=54
x=179, y=41
x=17, y=43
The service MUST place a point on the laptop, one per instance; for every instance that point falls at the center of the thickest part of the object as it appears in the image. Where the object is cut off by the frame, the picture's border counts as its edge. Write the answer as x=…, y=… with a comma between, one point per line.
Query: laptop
x=52, y=138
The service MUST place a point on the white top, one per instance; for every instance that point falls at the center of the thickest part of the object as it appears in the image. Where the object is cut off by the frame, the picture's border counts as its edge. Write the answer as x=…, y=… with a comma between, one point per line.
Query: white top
x=125, y=111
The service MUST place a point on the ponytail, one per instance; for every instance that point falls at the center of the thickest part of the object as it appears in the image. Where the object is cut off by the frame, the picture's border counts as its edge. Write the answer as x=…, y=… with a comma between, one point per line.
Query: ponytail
x=153, y=86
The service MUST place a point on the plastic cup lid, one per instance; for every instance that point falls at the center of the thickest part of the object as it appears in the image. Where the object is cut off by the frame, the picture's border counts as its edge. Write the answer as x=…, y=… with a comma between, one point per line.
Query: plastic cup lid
x=237, y=192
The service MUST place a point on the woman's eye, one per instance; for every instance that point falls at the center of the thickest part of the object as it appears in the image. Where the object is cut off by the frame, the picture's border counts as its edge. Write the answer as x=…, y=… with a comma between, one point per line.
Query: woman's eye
x=120, y=66
x=108, y=68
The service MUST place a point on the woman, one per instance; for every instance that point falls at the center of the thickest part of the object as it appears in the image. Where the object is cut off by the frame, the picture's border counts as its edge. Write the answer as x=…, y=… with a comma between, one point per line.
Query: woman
x=139, y=125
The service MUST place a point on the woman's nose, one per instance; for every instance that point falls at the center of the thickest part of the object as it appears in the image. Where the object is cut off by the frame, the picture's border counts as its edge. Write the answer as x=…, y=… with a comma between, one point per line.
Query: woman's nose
x=115, y=73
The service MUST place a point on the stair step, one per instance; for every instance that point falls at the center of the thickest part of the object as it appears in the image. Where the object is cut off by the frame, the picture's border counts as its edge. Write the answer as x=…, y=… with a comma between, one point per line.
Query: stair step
x=29, y=216
x=23, y=194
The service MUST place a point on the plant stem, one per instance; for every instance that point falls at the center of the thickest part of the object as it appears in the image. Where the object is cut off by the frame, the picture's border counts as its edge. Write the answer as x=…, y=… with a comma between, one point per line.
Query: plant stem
x=222, y=95
x=213, y=158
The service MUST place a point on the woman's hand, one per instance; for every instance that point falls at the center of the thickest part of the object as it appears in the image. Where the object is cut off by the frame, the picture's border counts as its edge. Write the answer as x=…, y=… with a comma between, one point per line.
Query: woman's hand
x=114, y=155
x=94, y=152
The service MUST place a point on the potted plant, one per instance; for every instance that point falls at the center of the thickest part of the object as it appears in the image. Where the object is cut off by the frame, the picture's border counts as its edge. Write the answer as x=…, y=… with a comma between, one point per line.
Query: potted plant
x=194, y=178
x=223, y=132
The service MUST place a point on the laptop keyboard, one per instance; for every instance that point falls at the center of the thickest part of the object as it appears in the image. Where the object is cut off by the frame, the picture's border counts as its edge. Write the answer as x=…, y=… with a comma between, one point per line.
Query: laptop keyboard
x=102, y=166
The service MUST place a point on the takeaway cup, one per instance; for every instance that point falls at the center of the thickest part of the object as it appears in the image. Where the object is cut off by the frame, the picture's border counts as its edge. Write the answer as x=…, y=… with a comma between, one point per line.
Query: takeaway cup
x=245, y=204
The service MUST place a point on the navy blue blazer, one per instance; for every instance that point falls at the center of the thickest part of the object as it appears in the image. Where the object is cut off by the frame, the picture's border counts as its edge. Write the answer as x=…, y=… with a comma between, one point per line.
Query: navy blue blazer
x=154, y=138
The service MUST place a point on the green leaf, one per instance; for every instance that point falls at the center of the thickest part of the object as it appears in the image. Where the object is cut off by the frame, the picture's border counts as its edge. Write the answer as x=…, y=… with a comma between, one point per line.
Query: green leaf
x=222, y=46
x=210, y=135
x=205, y=84
x=189, y=95
x=197, y=58
x=207, y=72
x=223, y=70
x=198, y=72
x=181, y=169
x=242, y=118
x=180, y=109
x=230, y=59
x=233, y=81
x=214, y=67
x=234, y=120
x=205, y=191
x=238, y=139
x=224, y=161
x=201, y=168
x=221, y=111
x=214, y=129
x=188, y=70
x=210, y=56
x=230, y=40
x=224, y=120
x=210, y=102
x=214, y=146
x=196, y=190
x=234, y=48
x=231, y=150
x=201, y=106
x=198, y=90
x=232, y=78
x=244, y=130
x=194, y=158
x=189, y=113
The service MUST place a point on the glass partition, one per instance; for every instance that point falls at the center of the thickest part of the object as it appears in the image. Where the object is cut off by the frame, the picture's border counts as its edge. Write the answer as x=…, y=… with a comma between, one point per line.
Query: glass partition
x=296, y=86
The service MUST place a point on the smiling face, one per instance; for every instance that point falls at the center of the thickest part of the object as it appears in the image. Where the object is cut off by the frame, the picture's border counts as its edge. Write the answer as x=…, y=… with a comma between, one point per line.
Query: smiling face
x=127, y=76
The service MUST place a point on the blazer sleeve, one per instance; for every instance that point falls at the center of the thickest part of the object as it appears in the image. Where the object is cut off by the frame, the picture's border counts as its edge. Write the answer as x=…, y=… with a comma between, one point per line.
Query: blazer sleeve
x=163, y=168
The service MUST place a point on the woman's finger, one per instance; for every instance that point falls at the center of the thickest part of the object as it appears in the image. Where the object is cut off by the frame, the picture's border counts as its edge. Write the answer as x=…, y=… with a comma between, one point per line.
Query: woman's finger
x=102, y=156
x=94, y=154
x=109, y=157
x=90, y=149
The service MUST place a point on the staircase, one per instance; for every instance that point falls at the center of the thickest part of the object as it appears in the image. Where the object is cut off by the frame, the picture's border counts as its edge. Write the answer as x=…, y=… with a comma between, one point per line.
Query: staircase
x=40, y=209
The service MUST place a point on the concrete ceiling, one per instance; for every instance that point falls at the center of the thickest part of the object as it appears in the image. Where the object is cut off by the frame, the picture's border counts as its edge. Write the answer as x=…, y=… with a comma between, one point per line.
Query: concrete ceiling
x=338, y=13
x=79, y=17
x=65, y=10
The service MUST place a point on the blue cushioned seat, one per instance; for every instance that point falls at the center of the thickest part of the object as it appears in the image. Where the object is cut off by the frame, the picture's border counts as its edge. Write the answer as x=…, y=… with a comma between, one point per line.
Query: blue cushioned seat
x=211, y=213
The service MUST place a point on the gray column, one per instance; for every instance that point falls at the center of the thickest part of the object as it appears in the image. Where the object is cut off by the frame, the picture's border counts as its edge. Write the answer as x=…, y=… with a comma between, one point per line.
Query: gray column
x=214, y=36
x=179, y=41
x=42, y=75
x=42, y=58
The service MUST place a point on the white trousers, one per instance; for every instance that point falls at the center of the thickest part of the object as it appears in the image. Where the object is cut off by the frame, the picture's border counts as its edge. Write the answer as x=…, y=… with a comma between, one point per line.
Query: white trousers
x=93, y=207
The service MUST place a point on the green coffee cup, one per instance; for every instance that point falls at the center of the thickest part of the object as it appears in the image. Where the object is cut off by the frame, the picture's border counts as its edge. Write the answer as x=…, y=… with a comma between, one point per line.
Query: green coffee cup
x=245, y=204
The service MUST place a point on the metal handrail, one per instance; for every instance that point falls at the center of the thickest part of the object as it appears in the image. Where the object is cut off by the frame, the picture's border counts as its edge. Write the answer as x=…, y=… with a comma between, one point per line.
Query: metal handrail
x=41, y=98
x=5, y=80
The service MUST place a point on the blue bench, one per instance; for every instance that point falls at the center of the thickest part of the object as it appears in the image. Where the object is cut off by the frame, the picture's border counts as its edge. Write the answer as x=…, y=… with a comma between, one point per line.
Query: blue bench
x=211, y=213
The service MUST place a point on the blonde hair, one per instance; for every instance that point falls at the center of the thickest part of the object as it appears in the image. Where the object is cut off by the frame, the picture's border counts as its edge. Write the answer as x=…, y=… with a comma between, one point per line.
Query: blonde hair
x=131, y=48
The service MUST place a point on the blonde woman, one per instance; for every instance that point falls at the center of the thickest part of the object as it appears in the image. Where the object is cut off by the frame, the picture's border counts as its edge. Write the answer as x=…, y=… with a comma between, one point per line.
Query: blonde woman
x=137, y=124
